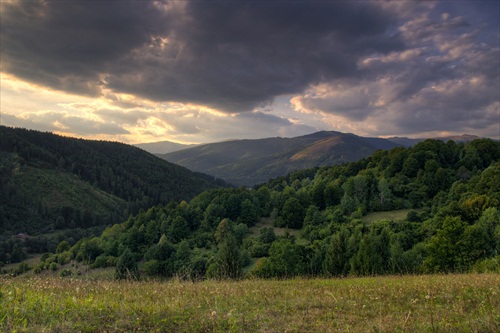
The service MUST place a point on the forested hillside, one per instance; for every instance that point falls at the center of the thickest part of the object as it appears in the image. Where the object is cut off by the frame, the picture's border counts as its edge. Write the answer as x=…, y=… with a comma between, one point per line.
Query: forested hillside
x=250, y=162
x=409, y=142
x=49, y=182
x=320, y=222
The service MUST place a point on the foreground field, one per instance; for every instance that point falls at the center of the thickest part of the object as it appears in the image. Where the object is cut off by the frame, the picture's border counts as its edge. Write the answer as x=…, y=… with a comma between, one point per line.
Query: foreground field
x=436, y=303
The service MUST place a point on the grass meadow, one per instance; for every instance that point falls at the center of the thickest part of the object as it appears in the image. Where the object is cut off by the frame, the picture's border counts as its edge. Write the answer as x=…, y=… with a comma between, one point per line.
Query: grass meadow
x=393, y=215
x=427, y=303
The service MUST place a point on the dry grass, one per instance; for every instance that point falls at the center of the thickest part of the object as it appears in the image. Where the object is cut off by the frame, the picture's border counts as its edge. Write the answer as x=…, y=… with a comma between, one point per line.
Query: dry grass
x=436, y=303
x=32, y=261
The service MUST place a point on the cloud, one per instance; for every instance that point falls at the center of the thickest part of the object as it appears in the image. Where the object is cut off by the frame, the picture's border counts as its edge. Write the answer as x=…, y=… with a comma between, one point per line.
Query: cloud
x=139, y=121
x=447, y=79
x=198, y=71
x=232, y=55
x=63, y=122
x=68, y=45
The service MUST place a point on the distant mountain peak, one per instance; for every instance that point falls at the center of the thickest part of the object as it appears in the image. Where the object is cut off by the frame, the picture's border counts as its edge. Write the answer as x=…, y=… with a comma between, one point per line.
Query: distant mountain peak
x=162, y=147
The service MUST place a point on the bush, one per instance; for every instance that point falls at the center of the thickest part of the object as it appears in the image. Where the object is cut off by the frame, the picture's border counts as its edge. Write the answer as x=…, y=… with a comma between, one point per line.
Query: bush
x=64, y=258
x=259, y=250
x=489, y=265
x=38, y=269
x=66, y=272
x=45, y=256
x=22, y=268
x=413, y=216
x=212, y=271
x=53, y=266
x=126, y=266
x=103, y=261
x=152, y=267
x=262, y=268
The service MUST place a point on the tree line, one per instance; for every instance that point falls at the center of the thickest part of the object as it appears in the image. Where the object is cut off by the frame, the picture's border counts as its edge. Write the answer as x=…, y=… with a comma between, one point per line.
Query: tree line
x=312, y=222
x=50, y=183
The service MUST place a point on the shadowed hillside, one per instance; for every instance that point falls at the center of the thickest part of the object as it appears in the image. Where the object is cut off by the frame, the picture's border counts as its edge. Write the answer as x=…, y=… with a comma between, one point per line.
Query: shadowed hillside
x=249, y=162
x=50, y=182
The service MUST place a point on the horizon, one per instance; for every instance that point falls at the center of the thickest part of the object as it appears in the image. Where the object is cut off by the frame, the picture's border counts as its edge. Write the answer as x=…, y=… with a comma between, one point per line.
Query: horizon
x=196, y=72
x=241, y=139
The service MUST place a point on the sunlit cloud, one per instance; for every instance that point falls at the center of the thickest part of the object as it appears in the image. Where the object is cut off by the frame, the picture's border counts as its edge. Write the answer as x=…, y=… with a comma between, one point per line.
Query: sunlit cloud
x=133, y=119
x=193, y=72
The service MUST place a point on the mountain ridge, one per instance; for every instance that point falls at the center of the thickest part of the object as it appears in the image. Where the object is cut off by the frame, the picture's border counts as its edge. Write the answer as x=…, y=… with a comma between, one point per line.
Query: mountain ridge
x=163, y=147
x=249, y=162
x=408, y=142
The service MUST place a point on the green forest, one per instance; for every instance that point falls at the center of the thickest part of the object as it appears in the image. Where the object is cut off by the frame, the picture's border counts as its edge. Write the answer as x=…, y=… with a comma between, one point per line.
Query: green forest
x=316, y=222
x=55, y=188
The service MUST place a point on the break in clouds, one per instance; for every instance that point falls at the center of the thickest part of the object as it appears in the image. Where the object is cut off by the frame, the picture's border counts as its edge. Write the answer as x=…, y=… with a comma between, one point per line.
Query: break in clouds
x=190, y=68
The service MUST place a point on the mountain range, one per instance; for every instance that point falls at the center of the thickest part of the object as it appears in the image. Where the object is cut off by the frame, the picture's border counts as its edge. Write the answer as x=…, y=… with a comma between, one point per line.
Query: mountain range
x=162, y=147
x=250, y=162
x=409, y=142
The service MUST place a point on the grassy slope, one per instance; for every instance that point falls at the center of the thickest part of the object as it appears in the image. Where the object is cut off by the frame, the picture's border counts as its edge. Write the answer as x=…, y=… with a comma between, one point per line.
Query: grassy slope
x=437, y=303
x=393, y=215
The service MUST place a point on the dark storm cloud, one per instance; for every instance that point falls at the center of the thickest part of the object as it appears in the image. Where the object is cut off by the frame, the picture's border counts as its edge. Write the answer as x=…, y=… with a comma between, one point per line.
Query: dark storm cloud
x=446, y=79
x=402, y=66
x=229, y=55
x=234, y=56
x=66, y=45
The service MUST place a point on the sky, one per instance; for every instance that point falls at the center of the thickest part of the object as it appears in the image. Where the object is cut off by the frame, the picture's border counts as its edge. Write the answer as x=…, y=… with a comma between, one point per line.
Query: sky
x=207, y=71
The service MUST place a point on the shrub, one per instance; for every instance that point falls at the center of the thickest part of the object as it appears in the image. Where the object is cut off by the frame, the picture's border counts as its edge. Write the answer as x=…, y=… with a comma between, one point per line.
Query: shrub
x=126, y=266
x=152, y=267
x=38, y=269
x=22, y=268
x=103, y=261
x=66, y=272
x=489, y=265
x=260, y=250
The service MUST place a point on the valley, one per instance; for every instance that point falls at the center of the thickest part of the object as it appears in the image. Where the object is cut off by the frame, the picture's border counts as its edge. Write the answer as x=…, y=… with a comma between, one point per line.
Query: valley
x=314, y=245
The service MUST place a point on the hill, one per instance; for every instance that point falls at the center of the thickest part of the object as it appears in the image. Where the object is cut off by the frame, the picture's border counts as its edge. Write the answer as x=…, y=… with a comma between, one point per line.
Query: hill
x=50, y=182
x=249, y=162
x=162, y=147
x=408, y=142
x=443, y=200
